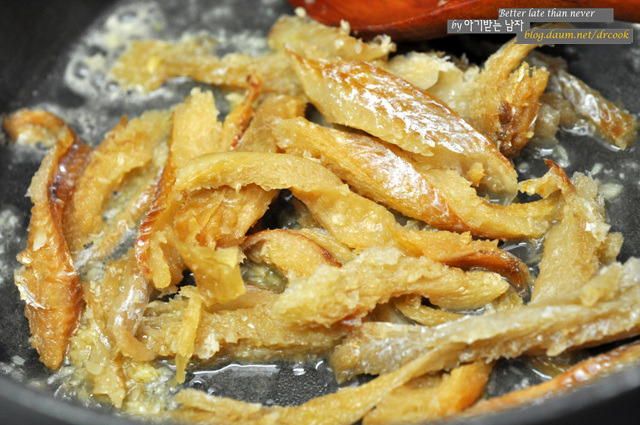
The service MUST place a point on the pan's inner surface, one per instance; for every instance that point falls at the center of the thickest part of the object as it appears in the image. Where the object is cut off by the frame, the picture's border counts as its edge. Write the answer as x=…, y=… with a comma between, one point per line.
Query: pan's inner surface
x=77, y=90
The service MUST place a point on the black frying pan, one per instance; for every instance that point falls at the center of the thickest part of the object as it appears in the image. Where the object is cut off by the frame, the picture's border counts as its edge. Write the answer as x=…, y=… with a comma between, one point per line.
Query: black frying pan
x=35, y=40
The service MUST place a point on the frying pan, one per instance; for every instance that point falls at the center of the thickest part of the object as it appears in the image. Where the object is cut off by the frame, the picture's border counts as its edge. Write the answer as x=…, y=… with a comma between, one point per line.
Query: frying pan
x=35, y=44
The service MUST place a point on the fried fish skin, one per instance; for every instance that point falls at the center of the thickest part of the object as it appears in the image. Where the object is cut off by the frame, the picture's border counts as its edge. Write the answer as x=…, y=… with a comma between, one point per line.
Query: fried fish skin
x=128, y=306
x=605, y=308
x=243, y=328
x=48, y=281
x=344, y=407
x=313, y=39
x=352, y=219
x=430, y=397
x=614, y=123
x=441, y=198
x=375, y=276
x=506, y=98
x=579, y=243
x=365, y=97
x=290, y=252
x=129, y=147
x=195, y=130
x=147, y=64
x=579, y=374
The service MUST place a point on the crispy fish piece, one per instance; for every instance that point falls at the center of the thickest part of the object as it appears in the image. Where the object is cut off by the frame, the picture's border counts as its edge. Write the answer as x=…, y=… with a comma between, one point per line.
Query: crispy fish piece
x=147, y=64
x=339, y=251
x=292, y=253
x=223, y=216
x=441, y=198
x=411, y=306
x=354, y=220
x=47, y=281
x=375, y=276
x=603, y=309
x=461, y=250
x=506, y=98
x=579, y=243
x=215, y=218
x=501, y=100
x=243, y=328
x=615, y=124
x=432, y=72
x=215, y=269
x=273, y=107
x=127, y=148
x=583, y=372
x=128, y=306
x=185, y=341
x=130, y=205
x=196, y=130
x=368, y=98
x=344, y=407
x=312, y=39
x=431, y=397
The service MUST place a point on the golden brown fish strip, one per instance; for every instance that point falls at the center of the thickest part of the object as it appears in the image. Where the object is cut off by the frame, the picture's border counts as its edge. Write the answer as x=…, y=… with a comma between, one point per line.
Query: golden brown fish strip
x=215, y=269
x=91, y=348
x=259, y=136
x=129, y=146
x=228, y=213
x=615, y=124
x=580, y=242
x=429, y=398
x=460, y=250
x=131, y=211
x=125, y=313
x=186, y=339
x=375, y=276
x=340, y=252
x=220, y=216
x=195, y=131
x=292, y=253
x=47, y=281
x=209, y=219
x=223, y=216
x=344, y=407
x=430, y=71
x=238, y=119
x=441, y=198
x=309, y=181
x=29, y=127
x=354, y=220
x=315, y=40
x=488, y=219
x=604, y=308
x=370, y=168
x=506, y=100
x=146, y=65
x=363, y=96
x=411, y=306
x=576, y=376
x=248, y=331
